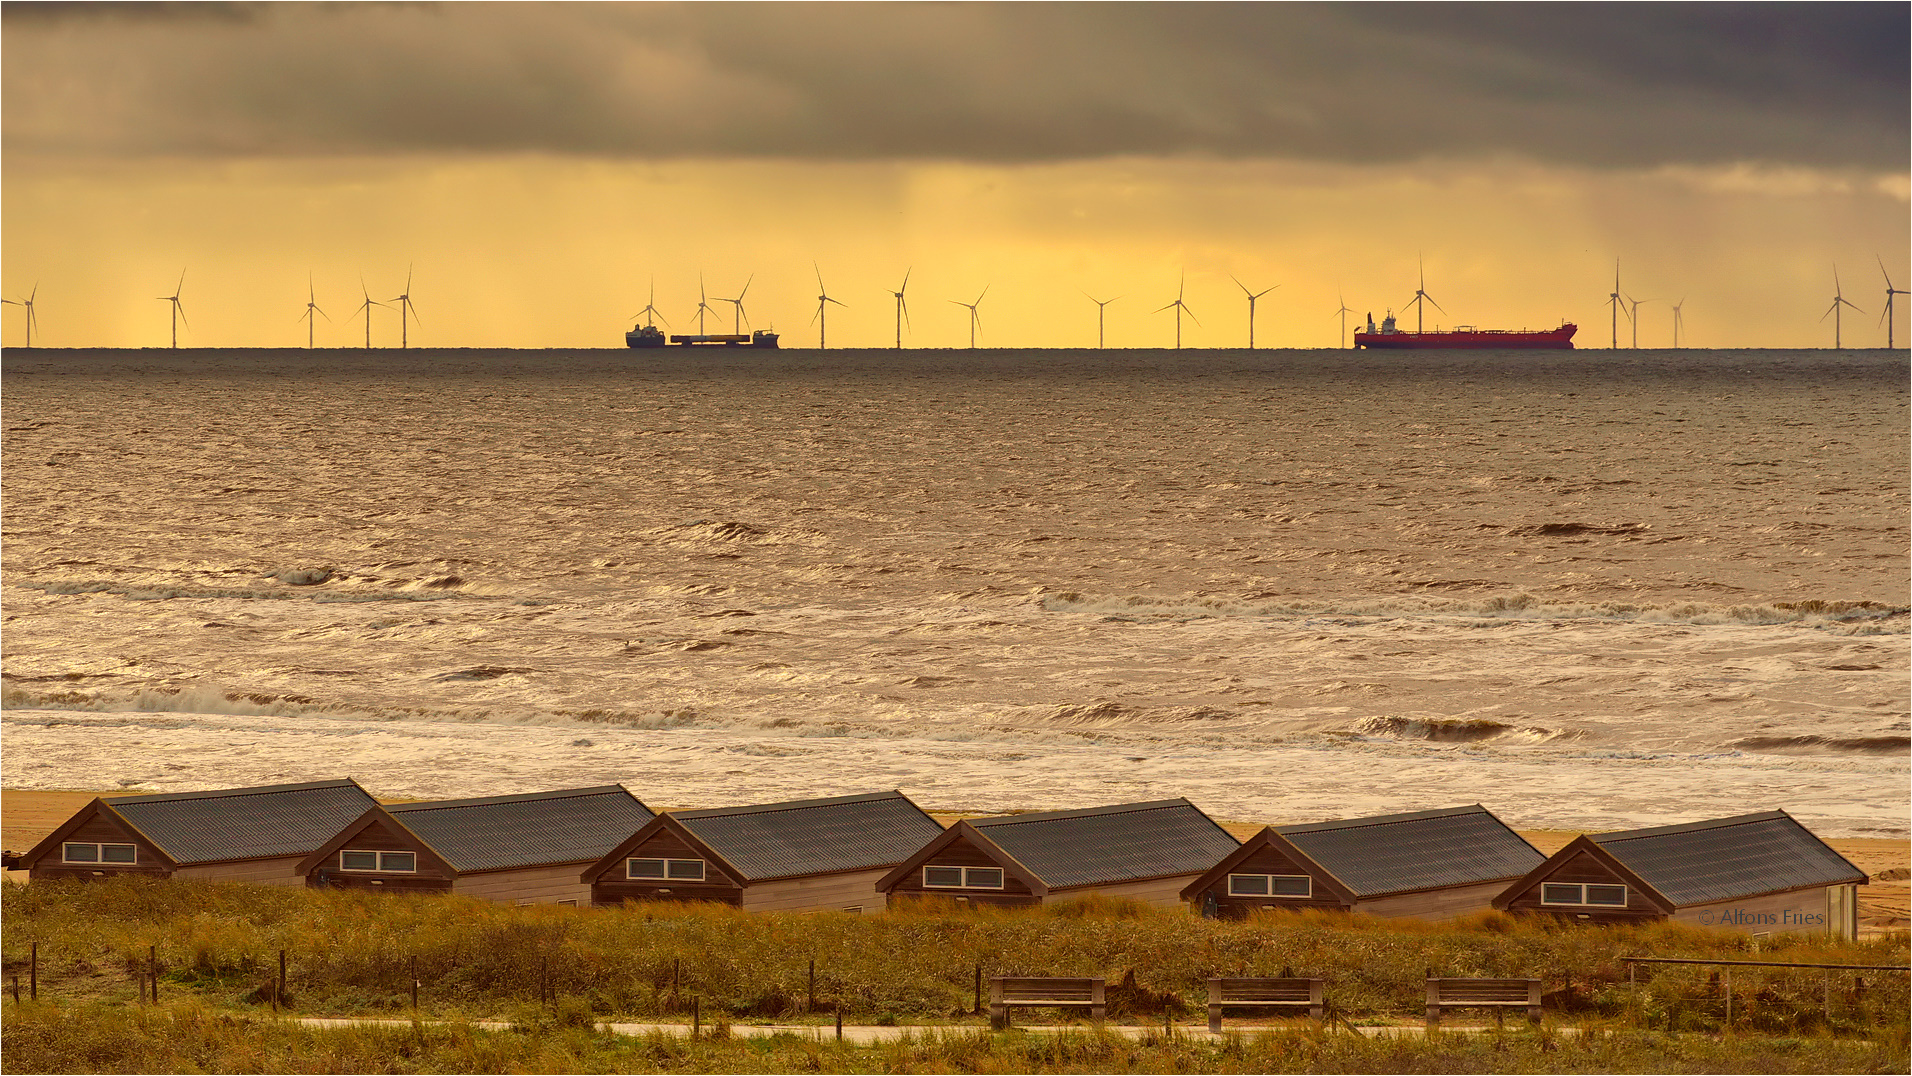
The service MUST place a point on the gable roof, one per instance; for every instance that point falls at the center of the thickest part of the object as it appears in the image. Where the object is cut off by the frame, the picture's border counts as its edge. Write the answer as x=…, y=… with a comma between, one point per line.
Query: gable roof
x=529, y=830
x=1405, y=853
x=1101, y=845
x=228, y=824
x=1727, y=858
x=818, y=836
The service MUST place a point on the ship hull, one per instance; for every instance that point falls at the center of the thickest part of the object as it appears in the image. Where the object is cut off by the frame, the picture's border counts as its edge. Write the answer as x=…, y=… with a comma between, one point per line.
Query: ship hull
x=1476, y=339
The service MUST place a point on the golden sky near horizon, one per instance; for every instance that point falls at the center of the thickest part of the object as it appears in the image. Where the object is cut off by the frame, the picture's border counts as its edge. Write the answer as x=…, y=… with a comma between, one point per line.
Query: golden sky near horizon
x=538, y=167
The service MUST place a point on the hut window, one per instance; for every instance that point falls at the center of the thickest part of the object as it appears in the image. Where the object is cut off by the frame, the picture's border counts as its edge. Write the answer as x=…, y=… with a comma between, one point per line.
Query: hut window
x=682, y=870
x=962, y=877
x=1605, y=896
x=1270, y=885
x=394, y=862
x=99, y=853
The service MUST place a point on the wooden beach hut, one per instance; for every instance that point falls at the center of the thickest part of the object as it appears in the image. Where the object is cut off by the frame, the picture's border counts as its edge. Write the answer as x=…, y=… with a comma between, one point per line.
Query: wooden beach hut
x=1425, y=865
x=525, y=849
x=1142, y=851
x=1755, y=873
x=231, y=834
x=801, y=855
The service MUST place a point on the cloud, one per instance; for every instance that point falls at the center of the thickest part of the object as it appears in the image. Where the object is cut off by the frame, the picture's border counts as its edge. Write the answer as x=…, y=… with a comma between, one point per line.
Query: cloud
x=1598, y=85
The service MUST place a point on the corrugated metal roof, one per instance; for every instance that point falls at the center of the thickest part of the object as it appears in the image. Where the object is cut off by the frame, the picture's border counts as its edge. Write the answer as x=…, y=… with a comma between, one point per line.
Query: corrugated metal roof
x=500, y=832
x=1402, y=853
x=1726, y=858
x=245, y=823
x=778, y=840
x=1100, y=845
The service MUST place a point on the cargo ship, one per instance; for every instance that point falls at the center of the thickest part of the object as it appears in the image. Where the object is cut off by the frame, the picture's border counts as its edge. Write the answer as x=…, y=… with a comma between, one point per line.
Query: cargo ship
x=652, y=336
x=1463, y=336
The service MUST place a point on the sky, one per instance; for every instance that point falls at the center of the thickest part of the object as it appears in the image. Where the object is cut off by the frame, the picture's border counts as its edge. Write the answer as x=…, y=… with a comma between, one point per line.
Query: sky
x=540, y=171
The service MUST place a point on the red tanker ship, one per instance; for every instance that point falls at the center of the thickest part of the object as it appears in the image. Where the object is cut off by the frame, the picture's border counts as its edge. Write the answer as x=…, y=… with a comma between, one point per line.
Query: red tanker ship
x=1464, y=336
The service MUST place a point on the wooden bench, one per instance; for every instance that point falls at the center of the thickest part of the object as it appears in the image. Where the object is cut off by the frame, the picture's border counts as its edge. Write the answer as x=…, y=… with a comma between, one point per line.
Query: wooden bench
x=1262, y=994
x=1496, y=994
x=1007, y=992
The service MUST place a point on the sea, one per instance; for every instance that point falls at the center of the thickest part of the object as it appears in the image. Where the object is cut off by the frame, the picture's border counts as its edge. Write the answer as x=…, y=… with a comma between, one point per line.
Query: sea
x=1588, y=589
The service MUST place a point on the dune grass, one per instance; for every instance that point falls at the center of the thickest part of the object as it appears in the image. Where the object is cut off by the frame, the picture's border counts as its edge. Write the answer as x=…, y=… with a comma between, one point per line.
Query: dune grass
x=350, y=952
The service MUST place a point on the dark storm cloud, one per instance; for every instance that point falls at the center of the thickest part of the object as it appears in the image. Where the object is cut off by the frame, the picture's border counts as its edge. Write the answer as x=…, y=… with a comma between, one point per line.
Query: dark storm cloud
x=1585, y=84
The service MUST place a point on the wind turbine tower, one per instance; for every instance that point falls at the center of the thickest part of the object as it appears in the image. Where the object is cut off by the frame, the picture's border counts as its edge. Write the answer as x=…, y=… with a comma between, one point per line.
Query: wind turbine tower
x=650, y=310
x=823, y=301
x=31, y=318
x=975, y=318
x=1890, y=291
x=1421, y=297
x=311, y=304
x=737, y=314
x=902, y=307
x=179, y=312
x=1618, y=304
x=405, y=307
x=1633, y=315
x=1180, y=308
x=366, y=309
x=1679, y=321
x=1838, y=300
x=1101, y=308
x=1343, y=312
x=703, y=305
x=1252, y=296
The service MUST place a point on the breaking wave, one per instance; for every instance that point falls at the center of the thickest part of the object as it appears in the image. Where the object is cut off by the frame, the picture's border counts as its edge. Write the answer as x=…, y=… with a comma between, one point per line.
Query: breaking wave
x=1870, y=745
x=1455, y=730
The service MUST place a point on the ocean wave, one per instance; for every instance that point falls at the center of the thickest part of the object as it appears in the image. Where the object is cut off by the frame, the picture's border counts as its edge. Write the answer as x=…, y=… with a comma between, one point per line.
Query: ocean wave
x=431, y=590
x=1456, y=730
x=1881, y=618
x=1871, y=745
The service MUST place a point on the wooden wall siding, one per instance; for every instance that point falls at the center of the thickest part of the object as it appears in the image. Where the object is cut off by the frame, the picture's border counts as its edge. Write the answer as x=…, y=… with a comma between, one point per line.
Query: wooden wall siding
x=279, y=870
x=102, y=828
x=667, y=845
x=962, y=853
x=1436, y=904
x=1797, y=911
x=1267, y=860
x=538, y=885
x=377, y=836
x=1583, y=867
x=819, y=892
x=1160, y=892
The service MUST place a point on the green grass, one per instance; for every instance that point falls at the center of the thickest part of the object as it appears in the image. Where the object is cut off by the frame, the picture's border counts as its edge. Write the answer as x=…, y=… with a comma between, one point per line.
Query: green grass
x=188, y=1037
x=350, y=953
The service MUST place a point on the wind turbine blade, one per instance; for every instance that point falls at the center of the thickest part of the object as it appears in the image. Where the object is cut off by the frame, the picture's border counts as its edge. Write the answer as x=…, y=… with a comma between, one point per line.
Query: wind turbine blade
x=839, y=302
x=182, y=313
x=819, y=270
x=181, y=286
x=746, y=291
x=1191, y=315
x=36, y=287
x=1170, y=306
x=979, y=296
x=1240, y=285
x=1437, y=306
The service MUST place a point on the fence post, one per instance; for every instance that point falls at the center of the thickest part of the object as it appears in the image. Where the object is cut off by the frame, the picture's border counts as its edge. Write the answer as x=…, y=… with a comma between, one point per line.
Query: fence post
x=839, y=1021
x=1728, y=978
x=696, y=1015
x=544, y=980
x=979, y=988
x=281, y=973
x=414, y=970
x=152, y=966
x=33, y=974
x=16, y=988
x=810, y=1003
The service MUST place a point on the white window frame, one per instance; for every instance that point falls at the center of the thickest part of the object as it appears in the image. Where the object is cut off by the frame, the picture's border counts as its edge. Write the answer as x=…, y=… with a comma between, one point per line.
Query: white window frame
x=703, y=870
x=1583, y=902
x=99, y=853
x=1002, y=877
x=379, y=858
x=1270, y=891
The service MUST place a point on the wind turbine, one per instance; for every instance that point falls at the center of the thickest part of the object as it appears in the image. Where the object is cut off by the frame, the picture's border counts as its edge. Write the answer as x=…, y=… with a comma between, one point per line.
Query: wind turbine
x=1890, y=291
x=1421, y=297
x=1838, y=300
x=738, y=315
x=32, y=318
x=1679, y=321
x=703, y=305
x=1618, y=304
x=1101, y=307
x=311, y=304
x=823, y=300
x=650, y=310
x=902, y=307
x=975, y=318
x=1343, y=312
x=179, y=312
x=1252, y=296
x=1633, y=315
x=366, y=308
x=405, y=307
x=1180, y=308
